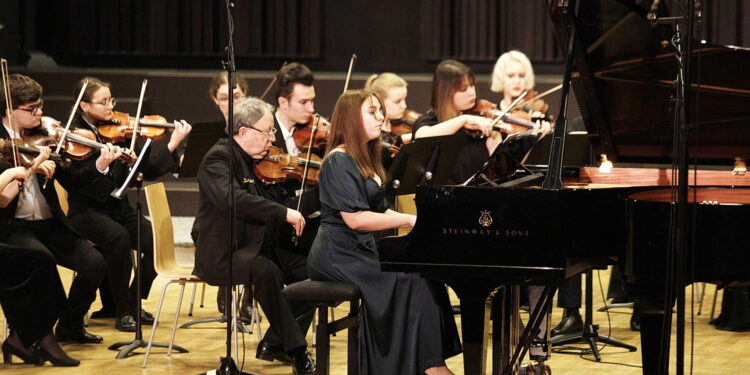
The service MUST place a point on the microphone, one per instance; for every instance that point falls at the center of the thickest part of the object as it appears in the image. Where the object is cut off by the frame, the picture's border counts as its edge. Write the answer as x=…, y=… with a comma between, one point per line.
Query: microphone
x=651, y=15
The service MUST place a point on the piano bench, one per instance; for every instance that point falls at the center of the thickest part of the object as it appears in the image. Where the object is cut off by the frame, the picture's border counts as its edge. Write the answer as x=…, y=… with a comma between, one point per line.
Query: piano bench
x=327, y=294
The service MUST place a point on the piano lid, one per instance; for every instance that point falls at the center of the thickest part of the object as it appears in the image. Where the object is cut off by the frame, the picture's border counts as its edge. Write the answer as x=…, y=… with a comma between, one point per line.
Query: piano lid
x=623, y=81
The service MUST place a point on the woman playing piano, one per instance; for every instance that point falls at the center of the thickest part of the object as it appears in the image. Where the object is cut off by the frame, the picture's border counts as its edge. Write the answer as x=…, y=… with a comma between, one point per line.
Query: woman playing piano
x=406, y=324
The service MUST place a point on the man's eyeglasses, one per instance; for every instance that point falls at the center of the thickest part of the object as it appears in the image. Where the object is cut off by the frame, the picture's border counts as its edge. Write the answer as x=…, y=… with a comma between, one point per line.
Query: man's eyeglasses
x=110, y=101
x=269, y=133
x=34, y=109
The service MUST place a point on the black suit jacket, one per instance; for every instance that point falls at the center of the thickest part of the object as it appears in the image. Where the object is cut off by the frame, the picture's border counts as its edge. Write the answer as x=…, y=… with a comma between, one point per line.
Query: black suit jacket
x=64, y=175
x=95, y=193
x=253, y=211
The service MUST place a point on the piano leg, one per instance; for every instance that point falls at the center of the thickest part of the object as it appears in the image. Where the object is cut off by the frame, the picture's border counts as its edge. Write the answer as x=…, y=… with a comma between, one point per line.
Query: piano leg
x=654, y=353
x=473, y=312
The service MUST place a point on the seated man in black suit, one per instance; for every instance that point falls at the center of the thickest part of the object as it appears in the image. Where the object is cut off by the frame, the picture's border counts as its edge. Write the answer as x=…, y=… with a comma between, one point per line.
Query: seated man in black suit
x=261, y=212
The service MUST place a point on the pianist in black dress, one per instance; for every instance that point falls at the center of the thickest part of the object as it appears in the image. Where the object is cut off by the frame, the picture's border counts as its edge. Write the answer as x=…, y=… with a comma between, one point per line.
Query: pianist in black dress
x=406, y=326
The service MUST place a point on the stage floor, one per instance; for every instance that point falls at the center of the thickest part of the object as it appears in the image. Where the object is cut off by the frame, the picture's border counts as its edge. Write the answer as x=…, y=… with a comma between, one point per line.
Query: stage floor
x=715, y=351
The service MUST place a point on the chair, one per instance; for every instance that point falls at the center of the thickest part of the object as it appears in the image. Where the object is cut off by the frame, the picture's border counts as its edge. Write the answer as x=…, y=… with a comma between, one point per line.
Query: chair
x=165, y=262
x=325, y=295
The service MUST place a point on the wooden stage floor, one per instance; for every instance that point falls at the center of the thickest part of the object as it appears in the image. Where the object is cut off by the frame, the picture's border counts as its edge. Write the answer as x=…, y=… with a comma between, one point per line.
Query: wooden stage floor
x=714, y=351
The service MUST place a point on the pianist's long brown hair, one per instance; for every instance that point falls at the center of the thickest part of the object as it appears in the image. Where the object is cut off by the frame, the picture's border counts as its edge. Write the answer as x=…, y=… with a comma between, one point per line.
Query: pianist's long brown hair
x=347, y=130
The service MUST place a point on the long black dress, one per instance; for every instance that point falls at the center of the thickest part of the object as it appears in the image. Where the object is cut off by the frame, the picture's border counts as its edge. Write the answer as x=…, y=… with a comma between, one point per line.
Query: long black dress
x=406, y=325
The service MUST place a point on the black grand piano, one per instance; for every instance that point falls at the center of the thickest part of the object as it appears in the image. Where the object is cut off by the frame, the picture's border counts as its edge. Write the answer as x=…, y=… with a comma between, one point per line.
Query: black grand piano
x=477, y=238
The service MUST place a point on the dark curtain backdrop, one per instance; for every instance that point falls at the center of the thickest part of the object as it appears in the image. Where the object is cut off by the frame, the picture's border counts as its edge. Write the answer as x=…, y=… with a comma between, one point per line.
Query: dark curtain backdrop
x=396, y=35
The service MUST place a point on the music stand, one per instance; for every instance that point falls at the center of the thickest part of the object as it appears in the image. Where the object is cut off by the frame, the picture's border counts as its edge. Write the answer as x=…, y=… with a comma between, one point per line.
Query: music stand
x=135, y=178
x=426, y=161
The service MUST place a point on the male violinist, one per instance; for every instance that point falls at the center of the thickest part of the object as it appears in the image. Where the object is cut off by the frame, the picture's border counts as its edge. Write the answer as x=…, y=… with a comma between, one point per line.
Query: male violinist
x=32, y=217
x=295, y=97
x=260, y=258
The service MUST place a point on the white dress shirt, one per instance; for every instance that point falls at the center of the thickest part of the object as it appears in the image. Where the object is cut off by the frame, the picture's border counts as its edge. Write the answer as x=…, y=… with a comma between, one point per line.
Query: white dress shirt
x=32, y=205
x=291, y=146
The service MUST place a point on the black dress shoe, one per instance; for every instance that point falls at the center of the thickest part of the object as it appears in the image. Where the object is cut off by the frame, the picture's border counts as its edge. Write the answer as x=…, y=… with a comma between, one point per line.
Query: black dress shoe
x=147, y=317
x=78, y=335
x=635, y=322
x=570, y=324
x=103, y=314
x=125, y=323
x=43, y=355
x=268, y=352
x=10, y=350
x=304, y=364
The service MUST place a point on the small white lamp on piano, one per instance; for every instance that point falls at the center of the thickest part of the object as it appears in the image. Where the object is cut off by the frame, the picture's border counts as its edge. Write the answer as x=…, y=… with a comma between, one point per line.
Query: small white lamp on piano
x=605, y=166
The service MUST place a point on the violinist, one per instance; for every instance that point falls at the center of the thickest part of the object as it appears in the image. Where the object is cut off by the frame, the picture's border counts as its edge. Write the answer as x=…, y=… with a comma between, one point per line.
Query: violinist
x=111, y=223
x=33, y=219
x=260, y=259
x=453, y=92
x=31, y=292
x=512, y=75
x=392, y=90
x=295, y=100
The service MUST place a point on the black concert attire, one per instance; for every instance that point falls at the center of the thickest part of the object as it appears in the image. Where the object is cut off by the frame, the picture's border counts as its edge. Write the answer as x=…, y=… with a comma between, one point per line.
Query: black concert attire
x=469, y=159
x=475, y=153
x=259, y=259
x=50, y=232
x=292, y=186
x=111, y=223
x=406, y=324
x=735, y=309
x=31, y=292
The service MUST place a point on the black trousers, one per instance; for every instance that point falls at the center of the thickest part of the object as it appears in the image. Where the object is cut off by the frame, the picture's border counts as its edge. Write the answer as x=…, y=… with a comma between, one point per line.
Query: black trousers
x=289, y=320
x=31, y=292
x=115, y=232
x=70, y=251
x=569, y=293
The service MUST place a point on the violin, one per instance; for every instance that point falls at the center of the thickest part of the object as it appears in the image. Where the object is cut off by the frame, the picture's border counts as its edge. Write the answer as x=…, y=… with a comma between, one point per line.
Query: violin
x=79, y=144
x=318, y=125
x=121, y=126
x=277, y=166
x=405, y=124
x=26, y=153
x=512, y=123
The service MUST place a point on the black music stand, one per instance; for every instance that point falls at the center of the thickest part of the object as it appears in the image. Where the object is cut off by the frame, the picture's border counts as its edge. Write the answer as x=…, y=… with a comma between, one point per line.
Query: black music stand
x=590, y=334
x=426, y=161
x=135, y=179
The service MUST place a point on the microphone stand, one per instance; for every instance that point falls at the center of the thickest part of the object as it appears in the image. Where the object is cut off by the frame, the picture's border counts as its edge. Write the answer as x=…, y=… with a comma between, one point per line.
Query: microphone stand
x=227, y=366
x=129, y=346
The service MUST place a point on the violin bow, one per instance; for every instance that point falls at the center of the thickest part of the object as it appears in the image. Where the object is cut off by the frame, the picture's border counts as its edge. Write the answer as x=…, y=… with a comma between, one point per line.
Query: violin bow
x=349, y=73
x=70, y=118
x=273, y=81
x=9, y=107
x=138, y=115
x=550, y=91
x=305, y=172
x=510, y=107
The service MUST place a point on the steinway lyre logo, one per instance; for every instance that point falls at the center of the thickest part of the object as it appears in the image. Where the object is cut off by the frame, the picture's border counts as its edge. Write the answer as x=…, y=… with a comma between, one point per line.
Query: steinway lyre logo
x=485, y=218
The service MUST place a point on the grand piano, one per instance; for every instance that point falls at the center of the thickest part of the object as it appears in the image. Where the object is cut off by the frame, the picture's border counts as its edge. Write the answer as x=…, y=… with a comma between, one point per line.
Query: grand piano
x=479, y=238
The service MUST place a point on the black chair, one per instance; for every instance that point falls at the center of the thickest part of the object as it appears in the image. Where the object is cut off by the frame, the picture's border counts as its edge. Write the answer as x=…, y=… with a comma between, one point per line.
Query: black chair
x=327, y=294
